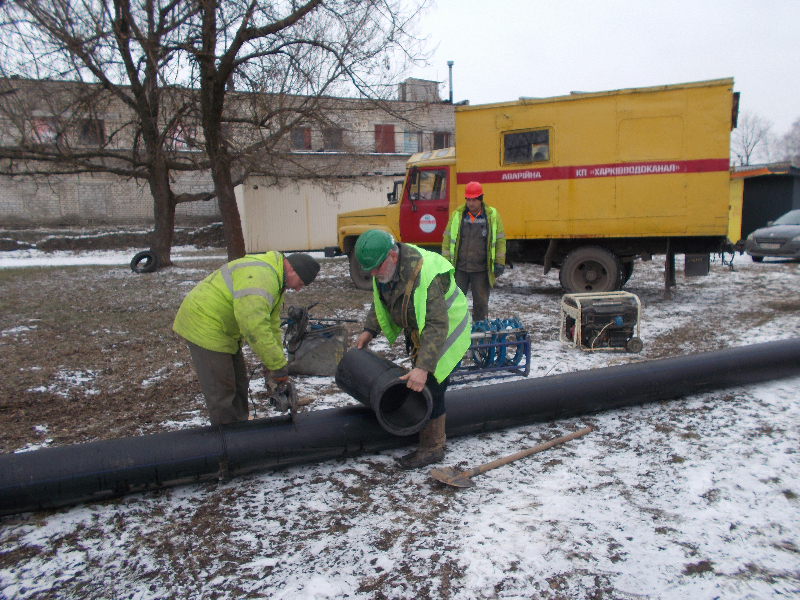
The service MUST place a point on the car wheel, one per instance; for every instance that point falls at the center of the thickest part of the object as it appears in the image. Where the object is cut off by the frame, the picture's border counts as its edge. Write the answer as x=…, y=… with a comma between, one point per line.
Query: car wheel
x=590, y=269
x=144, y=262
x=757, y=258
x=361, y=278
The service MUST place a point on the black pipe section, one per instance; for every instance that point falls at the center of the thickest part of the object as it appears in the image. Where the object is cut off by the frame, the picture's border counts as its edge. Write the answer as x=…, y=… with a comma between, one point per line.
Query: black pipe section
x=374, y=381
x=54, y=477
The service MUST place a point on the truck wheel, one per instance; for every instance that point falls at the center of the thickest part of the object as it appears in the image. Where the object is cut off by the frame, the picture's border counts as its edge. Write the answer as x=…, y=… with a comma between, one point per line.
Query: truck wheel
x=590, y=269
x=361, y=279
x=627, y=271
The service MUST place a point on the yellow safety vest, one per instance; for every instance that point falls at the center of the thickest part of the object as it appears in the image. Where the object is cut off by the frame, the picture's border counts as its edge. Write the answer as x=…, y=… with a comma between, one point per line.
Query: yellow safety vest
x=459, y=325
x=449, y=251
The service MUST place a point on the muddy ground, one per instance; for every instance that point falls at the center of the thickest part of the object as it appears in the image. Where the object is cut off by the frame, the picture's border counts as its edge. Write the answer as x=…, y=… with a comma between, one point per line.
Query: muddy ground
x=90, y=350
x=671, y=500
x=51, y=239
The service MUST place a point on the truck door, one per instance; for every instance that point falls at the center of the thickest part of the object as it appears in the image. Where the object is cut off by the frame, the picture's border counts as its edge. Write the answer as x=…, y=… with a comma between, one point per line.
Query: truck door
x=425, y=205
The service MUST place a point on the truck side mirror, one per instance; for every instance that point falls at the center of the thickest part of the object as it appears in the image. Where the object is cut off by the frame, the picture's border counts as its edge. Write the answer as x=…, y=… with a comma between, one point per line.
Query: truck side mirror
x=396, y=193
x=413, y=175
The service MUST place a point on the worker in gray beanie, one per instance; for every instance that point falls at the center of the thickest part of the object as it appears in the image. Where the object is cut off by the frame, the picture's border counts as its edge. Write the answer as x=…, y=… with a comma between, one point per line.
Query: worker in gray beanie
x=305, y=266
x=240, y=302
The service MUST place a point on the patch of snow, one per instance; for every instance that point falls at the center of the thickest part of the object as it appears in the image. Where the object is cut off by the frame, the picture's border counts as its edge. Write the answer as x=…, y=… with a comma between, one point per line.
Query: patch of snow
x=693, y=498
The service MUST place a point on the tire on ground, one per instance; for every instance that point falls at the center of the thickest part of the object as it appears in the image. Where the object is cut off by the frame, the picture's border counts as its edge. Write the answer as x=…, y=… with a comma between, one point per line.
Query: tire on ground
x=757, y=258
x=591, y=269
x=361, y=279
x=144, y=262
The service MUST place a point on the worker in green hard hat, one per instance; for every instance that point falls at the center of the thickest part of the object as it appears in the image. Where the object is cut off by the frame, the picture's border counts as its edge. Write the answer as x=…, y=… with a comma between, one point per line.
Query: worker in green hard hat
x=414, y=291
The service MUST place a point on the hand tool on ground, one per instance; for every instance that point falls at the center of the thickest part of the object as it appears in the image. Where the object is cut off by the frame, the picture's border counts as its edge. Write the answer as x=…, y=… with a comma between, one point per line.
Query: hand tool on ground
x=462, y=479
x=284, y=397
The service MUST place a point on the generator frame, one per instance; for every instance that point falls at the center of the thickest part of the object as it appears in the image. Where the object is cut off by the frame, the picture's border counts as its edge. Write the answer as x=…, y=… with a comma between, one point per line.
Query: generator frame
x=575, y=312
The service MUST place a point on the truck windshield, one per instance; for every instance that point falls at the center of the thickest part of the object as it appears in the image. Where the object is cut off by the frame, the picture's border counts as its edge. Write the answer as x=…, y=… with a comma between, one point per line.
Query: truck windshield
x=431, y=185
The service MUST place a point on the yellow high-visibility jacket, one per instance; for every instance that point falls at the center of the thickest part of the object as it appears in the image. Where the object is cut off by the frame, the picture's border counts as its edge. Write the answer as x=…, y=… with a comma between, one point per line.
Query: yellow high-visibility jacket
x=240, y=301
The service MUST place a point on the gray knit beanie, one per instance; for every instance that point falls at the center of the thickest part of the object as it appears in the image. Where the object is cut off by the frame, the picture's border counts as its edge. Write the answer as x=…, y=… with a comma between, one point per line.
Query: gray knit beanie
x=305, y=266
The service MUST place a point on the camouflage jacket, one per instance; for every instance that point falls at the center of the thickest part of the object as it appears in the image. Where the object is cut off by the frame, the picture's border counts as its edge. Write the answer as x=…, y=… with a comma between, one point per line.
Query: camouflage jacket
x=434, y=335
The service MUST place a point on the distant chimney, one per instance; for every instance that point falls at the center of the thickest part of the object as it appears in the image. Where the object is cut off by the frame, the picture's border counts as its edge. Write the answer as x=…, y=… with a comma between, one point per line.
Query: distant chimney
x=450, y=67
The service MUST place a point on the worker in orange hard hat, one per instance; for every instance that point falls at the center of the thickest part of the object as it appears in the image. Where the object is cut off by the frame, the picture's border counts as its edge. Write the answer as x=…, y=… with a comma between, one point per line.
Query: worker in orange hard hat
x=475, y=243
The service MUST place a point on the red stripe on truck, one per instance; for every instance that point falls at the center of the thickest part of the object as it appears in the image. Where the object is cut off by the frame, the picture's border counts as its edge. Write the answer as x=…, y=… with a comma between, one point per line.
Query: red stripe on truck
x=707, y=165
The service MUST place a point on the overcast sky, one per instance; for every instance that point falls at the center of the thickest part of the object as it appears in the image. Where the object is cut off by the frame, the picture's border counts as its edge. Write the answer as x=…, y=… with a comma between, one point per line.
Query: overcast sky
x=504, y=49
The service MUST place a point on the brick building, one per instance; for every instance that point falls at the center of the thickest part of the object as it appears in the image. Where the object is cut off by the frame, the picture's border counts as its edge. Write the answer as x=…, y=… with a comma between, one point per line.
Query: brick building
x=357, y=139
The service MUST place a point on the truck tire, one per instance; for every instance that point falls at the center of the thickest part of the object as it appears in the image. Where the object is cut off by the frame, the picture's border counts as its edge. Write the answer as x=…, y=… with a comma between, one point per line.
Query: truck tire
x=591, y=269
x=361, y=279
x=627, y=271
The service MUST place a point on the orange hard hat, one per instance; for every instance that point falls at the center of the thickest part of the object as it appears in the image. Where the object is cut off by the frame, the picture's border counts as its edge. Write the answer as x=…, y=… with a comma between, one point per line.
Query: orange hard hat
x=474, y=190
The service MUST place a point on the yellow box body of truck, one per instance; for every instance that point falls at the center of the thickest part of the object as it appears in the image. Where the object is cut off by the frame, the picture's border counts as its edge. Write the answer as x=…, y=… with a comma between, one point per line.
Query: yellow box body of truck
x=587, y=182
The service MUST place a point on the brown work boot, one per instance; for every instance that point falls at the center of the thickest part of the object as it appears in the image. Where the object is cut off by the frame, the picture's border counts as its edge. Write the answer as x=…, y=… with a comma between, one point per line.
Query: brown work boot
x=431, y=446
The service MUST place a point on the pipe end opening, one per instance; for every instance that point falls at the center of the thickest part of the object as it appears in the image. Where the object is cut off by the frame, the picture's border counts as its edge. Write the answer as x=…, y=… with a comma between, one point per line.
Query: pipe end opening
x=402, y=411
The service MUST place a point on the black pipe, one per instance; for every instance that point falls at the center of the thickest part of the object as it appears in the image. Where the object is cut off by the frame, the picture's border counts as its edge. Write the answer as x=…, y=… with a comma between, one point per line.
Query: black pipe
x=54, y=477
x=374, y=381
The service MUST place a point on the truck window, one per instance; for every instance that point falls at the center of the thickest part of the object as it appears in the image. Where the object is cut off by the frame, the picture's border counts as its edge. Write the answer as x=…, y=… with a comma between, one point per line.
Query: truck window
x=526, y=146
x=431, y=185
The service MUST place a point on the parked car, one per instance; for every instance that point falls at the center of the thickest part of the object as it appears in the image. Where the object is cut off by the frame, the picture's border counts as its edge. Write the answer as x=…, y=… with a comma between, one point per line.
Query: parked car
x=780, y=238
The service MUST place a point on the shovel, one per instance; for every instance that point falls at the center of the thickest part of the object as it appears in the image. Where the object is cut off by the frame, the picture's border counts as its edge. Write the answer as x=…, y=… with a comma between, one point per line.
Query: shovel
x=450, y=476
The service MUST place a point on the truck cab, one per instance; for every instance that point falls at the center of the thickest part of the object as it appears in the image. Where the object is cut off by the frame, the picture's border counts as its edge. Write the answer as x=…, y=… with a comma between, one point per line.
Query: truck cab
x=417, y=211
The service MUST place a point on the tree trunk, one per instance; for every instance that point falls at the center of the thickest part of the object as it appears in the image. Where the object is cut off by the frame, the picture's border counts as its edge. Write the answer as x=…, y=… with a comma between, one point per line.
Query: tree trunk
x=164, y=215
x=231, y=220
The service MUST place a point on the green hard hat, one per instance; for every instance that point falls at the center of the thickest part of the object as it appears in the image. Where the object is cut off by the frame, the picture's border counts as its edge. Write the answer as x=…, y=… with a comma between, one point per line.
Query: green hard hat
x=372, y=248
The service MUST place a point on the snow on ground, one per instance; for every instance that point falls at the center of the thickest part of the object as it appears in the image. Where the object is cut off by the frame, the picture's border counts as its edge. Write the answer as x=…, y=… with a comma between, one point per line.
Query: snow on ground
x=39, y=258
x=694, y=498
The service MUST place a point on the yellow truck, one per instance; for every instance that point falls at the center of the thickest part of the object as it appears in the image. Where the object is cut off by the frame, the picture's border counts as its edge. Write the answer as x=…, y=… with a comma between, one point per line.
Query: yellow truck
x=587, y=183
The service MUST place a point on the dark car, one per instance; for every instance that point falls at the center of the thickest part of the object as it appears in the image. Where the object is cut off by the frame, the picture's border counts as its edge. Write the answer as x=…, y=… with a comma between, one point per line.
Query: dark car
x=780, y=238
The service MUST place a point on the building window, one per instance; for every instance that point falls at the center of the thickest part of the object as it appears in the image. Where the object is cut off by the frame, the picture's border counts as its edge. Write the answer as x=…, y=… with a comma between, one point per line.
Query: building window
x=332, y=139
x=526, y=146
x=44, y=130
x=184, y=137
x=301, y=138
x=384, y=139
x=412, y=140
x=441, y=139
x=91, y=132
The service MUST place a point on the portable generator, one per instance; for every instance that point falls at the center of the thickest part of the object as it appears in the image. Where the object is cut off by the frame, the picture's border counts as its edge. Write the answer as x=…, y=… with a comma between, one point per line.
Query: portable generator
x=602, y=321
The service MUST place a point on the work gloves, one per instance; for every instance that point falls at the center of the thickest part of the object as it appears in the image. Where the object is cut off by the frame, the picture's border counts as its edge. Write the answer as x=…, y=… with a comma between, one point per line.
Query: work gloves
x=281, y=390
x=276, y=381
x=499, y=270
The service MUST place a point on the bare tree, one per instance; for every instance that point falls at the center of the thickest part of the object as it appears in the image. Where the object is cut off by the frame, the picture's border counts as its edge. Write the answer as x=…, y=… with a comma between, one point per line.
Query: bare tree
x=789, y=144
x=751, y=139
x=289, y=56
x=173, y=64
x=107, y=53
